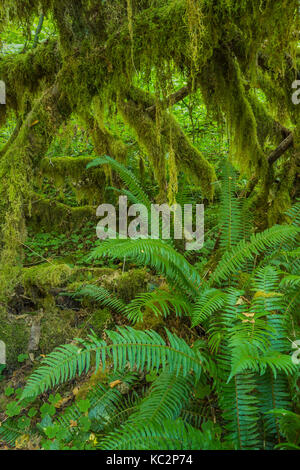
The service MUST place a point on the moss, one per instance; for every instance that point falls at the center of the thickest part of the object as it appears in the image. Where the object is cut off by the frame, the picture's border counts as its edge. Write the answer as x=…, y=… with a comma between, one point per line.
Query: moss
x=281, y=192
x=46, y=276
x=88, y=185
x=57, y=328
x=105, y=142
x=47, y=214
x=224, y=90
x=16, y=172
x=27, y=75
x=129, y=284
x=93, y=380
x=101, y=319
x=186, y=155
x=150, y=322
x=15, y=333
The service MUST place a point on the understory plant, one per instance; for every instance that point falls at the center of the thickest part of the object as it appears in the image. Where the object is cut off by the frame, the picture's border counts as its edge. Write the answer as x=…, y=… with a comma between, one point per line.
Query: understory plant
x=226, y=380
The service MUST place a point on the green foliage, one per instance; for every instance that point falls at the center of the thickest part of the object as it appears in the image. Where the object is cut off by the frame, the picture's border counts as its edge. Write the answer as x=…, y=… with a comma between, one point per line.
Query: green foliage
x=167, y=435
x=159, y=302
x=137, y=193
x=231, y=311
x=245, y=349
x=140, y=348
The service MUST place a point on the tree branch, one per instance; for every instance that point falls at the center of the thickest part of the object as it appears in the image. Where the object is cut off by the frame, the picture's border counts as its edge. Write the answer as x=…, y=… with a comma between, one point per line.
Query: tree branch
x=38, y=31
x=283, y=147
x=174, y=98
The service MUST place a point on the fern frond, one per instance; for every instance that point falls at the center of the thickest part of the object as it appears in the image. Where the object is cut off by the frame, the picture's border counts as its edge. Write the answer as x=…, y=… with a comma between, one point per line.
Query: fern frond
x=230, y=220
x=289, y=424
x=103, y=399
x=246, y=357
x=207, y=304
x=167, y=435
x=290, y=280
x=294, y=214
x=195, y=413
x=159, y=302
x=166, y=398
x=273, y=393
x=9, y=432
x=240, y=410
x=233, y=261
x=120, y=414
x=140, y=349
x=127, y=177
x=103, y=296
x=155, y=253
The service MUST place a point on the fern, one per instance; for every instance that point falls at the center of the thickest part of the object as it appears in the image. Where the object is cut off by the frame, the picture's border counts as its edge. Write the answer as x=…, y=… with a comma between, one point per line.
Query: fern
x=103, y=399
x=101, y=295
x=233, y=261
x=289, y=424
x=159, y=302
x=9, y=432
x=230, y=220
x=141, y=349
x=167, y=435
x=155, y=253
x=166, y=398
x=206, y=304
x=126, y=175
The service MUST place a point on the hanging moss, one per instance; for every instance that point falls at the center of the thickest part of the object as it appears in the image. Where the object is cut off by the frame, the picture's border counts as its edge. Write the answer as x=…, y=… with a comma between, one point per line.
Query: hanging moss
x=27, y=75
x=105, y=142
x=88, y=185
x=16, y=175
x=186, y=155
x=47, y=214
x=281, y=191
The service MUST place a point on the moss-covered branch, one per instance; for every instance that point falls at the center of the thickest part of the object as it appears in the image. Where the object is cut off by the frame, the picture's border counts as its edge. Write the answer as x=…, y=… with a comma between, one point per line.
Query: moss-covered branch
x=27, y=75
x=87, y=185
x=48, y=214
x=157, y=141
x=16, y=172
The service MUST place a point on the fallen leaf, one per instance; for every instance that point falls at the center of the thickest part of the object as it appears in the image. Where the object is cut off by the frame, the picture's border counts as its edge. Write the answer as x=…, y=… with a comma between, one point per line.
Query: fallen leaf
x=115, y=383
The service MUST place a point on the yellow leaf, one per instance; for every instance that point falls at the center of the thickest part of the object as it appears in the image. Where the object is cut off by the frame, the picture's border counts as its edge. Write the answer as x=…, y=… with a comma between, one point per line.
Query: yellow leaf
x=115, y=383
